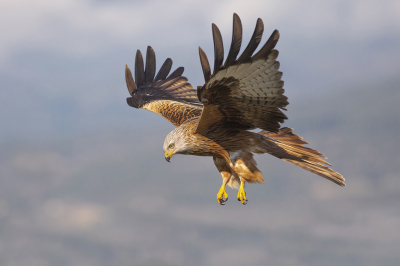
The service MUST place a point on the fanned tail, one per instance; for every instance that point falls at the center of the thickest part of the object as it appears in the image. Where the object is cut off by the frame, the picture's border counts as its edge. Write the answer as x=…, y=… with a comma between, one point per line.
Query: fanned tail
x=288, y=147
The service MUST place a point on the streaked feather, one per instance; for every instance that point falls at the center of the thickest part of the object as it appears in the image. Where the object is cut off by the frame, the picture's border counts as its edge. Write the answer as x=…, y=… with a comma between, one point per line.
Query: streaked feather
x=220, y=74
x=289, y=148
x=230, y=71
x=239, y=90
x=172, y=97
x=240, y=95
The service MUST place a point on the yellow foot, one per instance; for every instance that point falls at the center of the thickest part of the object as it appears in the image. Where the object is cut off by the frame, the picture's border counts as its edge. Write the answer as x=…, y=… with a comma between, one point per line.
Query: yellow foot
x=222, y=196
x=242, y=196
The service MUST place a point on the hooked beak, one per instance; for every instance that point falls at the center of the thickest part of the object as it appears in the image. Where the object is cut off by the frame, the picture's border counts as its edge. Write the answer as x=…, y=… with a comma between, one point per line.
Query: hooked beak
x=168, y=156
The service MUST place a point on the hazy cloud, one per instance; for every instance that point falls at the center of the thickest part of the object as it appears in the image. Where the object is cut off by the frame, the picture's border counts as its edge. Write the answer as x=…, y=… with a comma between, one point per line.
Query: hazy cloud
x=84, y=180
x=80, y=28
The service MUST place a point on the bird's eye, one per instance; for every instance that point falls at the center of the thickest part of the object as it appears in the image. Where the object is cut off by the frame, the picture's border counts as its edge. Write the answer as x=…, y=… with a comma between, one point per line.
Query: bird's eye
x=171, y=146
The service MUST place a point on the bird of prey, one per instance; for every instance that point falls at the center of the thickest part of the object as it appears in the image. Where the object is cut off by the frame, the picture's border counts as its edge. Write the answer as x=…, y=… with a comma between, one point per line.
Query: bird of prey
x=217, y=119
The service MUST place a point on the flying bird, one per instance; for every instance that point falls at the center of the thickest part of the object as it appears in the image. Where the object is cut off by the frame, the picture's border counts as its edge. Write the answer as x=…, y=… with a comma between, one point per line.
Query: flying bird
x=240, y=95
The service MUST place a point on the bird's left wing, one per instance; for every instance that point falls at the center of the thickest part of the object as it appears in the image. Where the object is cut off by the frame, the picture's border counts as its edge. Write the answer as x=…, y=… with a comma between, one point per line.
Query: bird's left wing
x=172, y=97
x=244, y=93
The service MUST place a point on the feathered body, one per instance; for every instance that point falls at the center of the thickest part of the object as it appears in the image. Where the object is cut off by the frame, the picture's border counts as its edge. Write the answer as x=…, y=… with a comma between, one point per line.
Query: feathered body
x=242, y=94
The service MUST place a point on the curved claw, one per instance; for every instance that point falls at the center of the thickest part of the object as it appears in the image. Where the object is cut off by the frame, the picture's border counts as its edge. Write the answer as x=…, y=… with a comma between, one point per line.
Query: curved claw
x=242, y=196
x=222, y=196
x=222, y=201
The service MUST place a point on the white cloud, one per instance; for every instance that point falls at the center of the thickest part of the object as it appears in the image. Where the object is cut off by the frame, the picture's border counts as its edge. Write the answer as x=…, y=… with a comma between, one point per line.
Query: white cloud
x=81, y=27
x=67, y=216
x=43, y=162
x=66, y=52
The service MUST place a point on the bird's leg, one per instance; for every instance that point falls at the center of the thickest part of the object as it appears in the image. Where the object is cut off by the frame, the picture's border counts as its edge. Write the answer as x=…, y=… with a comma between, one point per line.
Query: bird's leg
x=241, y=193
x=222, y=196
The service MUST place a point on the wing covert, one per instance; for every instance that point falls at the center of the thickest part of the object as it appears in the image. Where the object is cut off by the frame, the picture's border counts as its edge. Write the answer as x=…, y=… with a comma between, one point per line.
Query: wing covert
x=245, y=93
x=172, y=97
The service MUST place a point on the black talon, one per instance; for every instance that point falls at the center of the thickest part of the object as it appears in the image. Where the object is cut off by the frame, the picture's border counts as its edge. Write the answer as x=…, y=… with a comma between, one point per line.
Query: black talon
x=241, y=201
x=222, y=201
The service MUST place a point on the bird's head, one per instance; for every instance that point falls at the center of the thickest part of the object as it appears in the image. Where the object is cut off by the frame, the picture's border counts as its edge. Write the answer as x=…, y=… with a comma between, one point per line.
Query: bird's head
x=175, y=143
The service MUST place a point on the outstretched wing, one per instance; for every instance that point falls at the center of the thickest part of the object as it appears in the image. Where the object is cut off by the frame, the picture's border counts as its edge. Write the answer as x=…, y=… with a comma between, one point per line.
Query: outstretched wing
x=172, y=97
x=244, y=93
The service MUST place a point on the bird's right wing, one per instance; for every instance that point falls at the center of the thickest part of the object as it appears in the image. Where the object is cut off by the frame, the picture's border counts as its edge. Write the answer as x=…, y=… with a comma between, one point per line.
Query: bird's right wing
x=244, y=93
x=172, y=97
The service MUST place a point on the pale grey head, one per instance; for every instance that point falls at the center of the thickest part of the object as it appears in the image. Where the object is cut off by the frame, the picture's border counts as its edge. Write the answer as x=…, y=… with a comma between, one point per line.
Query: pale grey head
x=176, y=143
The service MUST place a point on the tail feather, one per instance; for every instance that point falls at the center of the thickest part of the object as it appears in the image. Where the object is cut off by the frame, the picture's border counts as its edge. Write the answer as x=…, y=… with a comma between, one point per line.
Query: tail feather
x=288, y=147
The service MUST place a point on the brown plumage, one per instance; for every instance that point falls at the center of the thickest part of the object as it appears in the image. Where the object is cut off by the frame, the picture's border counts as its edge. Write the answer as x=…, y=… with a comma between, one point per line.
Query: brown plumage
x=171, y=97
x=242, y=94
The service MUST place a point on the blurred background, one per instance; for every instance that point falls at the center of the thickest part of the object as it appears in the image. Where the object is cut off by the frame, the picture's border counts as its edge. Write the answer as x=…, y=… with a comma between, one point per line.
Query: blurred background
x=83, y=179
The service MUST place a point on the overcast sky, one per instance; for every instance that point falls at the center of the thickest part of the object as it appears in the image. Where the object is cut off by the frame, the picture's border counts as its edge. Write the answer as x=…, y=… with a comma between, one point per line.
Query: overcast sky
x=84, y=180
x=62, y=61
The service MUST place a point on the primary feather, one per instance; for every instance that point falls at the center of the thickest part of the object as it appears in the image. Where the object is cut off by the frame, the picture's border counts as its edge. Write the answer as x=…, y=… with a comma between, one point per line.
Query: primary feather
x=239, y=95
x=172, y=97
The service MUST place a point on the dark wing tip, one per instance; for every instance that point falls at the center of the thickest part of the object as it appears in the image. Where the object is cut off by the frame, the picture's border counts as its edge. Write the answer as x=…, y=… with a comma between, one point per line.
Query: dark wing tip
x=247, y=54
x=150, y=65
x=276, y=34
x=237, y=33
x=131, y=102
x=268, y=46
x=218, y=48
x=139, y=69
x=130, y=83
x=254, y=41
x=205, y=65
x=178, y=72
x=164, y=70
